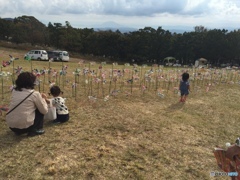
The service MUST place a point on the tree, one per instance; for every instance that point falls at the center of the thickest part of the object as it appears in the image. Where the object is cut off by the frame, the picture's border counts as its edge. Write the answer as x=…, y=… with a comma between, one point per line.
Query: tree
x=216, y=46
x=200, y=29
x=233, y=46
x=5, y=29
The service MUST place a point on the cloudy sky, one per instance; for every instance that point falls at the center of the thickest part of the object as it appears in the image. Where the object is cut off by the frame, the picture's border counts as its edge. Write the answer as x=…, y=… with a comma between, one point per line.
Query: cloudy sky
x=130, y=13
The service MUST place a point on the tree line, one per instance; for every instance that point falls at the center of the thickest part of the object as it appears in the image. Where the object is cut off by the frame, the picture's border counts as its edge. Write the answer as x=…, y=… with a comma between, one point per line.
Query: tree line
x=144, y=45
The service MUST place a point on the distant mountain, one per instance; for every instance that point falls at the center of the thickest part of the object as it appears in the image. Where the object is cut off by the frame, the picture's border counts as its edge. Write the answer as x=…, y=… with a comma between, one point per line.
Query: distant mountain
x=232, y=29
x=113, y=26
x=121, y=29
x=182, y=29
x=8, y=19
x=178, y=29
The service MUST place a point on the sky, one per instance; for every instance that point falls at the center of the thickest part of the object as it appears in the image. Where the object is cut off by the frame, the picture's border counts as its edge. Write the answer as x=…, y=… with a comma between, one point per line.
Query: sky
x=129, y=13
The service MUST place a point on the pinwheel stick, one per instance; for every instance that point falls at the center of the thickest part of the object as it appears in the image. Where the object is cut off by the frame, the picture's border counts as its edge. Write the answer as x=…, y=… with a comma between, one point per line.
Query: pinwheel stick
x=132, y=82
x=2, y=84
x=75, y=87
x=43, y=81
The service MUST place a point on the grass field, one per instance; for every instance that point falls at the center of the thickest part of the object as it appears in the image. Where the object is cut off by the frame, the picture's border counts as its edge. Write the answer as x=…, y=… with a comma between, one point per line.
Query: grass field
x=137, y=135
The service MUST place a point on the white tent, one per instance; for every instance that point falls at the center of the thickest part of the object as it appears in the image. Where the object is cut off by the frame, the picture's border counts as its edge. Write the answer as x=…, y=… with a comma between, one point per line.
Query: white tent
x=201, y=62
x=169, y=61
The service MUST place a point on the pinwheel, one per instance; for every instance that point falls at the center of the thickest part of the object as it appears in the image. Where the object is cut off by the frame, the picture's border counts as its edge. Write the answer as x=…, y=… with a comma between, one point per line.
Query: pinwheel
x=3, y=108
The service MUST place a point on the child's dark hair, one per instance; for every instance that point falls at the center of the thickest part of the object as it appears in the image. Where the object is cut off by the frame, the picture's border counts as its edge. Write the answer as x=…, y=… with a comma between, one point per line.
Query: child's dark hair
x=185, y=76
x=55, y=91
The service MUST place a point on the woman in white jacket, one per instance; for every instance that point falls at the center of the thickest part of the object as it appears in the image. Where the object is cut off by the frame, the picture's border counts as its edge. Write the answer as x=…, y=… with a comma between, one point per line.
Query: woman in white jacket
x=26, y=116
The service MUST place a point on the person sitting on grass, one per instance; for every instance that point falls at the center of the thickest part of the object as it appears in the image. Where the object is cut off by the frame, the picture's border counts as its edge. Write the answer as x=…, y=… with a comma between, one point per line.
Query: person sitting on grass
x=59, y=103
x=27, y=107
x=184, y=87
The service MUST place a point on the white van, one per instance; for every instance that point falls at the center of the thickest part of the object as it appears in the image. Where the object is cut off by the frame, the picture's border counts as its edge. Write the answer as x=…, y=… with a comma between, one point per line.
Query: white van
x=63, y=55
x=37, y=55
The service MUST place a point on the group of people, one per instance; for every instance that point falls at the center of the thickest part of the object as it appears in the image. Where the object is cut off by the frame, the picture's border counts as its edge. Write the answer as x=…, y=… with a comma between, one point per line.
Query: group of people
x=28, y=107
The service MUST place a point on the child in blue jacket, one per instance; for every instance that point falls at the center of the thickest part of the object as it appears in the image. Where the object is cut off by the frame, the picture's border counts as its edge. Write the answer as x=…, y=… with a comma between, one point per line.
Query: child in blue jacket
x=184, y=87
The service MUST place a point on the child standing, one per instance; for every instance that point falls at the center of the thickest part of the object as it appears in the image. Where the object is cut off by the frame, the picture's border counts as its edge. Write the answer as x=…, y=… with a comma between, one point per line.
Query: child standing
x=184, y=87
x=59, y=103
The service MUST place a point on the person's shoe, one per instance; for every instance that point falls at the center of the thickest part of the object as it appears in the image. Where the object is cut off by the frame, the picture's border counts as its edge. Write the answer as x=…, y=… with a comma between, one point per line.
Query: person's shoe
x=36, y=132
x=56, y=122
x=40, y=131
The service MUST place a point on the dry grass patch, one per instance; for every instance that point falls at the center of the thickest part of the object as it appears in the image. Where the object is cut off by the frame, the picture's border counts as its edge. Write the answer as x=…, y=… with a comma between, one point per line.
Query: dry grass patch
x=131, y=138
x=138, y=136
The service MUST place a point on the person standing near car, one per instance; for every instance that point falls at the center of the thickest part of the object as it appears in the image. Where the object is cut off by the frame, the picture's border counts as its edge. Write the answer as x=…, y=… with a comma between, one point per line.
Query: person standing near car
x=27, y=107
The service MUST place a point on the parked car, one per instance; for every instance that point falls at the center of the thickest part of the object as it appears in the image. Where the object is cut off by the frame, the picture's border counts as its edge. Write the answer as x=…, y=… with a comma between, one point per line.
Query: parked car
x=63, y=55
x=58, y=55
x=37, y=55
x=53, y=55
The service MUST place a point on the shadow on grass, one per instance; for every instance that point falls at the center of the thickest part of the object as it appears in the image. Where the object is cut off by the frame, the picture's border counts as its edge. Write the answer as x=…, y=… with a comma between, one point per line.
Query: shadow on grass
x=49, y=123
x=9, y=139
x=175, y=107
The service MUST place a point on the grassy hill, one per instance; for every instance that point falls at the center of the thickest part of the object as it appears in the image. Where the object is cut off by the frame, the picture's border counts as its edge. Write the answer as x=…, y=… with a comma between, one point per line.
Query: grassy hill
x=133, y=136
